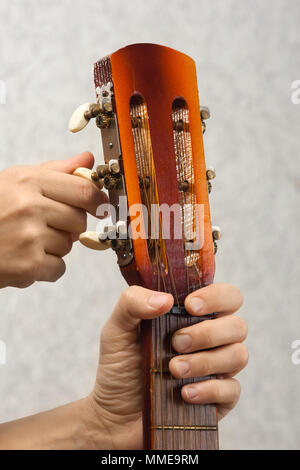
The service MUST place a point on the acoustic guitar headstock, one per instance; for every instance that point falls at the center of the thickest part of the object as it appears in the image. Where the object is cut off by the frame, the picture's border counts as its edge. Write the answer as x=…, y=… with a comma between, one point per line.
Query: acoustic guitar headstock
x=148, y=112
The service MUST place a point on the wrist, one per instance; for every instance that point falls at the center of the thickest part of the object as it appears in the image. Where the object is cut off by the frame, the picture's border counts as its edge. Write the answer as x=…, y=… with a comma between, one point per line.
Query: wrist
x=96, y=435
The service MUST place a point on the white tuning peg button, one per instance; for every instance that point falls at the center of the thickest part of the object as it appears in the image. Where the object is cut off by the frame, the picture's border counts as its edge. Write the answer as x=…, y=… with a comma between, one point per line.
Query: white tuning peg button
x=78, y=120
x=83, y=173
x=91, y=240
x=86, y=174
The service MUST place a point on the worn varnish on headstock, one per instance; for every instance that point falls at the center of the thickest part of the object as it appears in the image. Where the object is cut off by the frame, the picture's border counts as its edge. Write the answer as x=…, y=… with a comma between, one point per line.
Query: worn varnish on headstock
x=151, y=122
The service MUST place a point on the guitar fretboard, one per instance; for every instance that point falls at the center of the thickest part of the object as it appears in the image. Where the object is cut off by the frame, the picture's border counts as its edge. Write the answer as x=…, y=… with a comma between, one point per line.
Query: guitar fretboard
x=173, y=423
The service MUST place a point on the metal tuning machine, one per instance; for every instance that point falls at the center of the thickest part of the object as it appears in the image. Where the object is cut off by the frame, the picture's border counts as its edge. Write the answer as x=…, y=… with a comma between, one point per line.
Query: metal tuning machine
x=210, y=175
x=108, y=175
x=216, y=235
x=205, y=114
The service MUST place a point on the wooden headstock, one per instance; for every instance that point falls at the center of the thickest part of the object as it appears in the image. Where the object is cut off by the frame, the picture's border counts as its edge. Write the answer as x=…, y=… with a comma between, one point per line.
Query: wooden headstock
x=149, y=115
x=148, y=111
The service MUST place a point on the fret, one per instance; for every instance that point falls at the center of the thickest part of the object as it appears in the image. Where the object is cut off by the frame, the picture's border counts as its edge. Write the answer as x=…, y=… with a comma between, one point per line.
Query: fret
x=154, y=370
x=177, y=427
x=172, y=423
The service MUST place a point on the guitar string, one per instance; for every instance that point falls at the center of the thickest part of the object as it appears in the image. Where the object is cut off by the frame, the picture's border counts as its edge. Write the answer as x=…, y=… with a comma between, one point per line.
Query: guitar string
x=180, y=172
x=192, y=201
x=158, y=255
x=142, y=157
x=185, y=177
x=149, y=157
x=185, y=156
x=157, y=323
x=187, y=195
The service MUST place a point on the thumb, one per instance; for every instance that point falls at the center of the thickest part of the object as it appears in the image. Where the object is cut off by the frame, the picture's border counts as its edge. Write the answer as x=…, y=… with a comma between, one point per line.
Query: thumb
x=135, y=304
x=85, y=159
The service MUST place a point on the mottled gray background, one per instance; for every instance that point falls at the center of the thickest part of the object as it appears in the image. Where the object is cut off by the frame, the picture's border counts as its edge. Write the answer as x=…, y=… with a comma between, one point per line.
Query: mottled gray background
x=247, y=54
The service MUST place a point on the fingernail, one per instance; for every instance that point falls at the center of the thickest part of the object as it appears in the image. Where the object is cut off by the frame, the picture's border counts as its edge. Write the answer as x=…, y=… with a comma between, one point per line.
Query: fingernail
x=197, y=305
x=182, y=342
x=191, y=392
x=182, y=368
x=157, y=300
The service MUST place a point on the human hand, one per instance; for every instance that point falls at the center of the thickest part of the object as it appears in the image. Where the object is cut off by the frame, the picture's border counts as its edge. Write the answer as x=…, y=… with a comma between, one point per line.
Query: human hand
x=42, y=211
x=115, y=405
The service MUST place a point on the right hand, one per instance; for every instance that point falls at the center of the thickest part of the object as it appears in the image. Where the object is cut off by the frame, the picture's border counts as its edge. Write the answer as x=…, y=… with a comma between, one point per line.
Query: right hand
x=42, y=211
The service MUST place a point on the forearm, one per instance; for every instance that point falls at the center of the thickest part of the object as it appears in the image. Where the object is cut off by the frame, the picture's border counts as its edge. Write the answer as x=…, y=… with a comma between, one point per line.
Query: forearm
x=71, y=427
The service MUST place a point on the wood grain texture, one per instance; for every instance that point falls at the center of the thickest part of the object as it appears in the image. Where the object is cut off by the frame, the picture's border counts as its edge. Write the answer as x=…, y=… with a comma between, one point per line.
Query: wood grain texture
x=161, y=75
x=163, y=404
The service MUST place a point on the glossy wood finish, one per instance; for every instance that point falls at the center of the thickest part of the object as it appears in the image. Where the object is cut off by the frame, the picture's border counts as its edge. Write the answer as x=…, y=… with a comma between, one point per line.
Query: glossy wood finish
x=160, y=75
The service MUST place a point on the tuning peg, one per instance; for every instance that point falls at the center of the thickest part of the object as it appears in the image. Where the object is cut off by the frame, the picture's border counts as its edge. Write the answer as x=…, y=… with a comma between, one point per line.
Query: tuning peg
x=106, y=239
x=79, y=118
x=92, y=240
x=109, y=233
x=205, y=112
x=88, y=175
x=85, y=112
x=216, y=233
x=210, y=173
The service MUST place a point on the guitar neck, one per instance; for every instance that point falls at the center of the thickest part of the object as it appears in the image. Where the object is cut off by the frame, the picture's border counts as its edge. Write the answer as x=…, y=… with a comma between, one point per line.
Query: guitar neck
x=169, y=422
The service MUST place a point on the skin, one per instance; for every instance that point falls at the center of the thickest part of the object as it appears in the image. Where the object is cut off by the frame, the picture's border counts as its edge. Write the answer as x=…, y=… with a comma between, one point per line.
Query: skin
x=42, y=211
x=110, y=416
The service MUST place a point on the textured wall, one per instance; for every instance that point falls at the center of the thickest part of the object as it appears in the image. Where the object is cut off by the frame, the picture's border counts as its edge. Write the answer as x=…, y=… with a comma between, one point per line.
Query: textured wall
x=247, y=53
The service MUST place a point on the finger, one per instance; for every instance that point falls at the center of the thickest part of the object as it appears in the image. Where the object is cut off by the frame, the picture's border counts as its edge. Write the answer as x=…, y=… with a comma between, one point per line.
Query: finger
x=85, y=159
x=224, y=392
x=210, y=334
x=229, y=359
x=75, y=237
x=64, y=217
x=221, y=298
x=136, y=304
x=71, y=190
x=51, y=268
x=120, y=333
x=57, y=242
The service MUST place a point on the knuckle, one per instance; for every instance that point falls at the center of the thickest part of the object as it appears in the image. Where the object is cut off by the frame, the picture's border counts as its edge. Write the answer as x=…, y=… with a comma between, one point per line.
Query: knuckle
x=129, y=294
x=68, y=244
x=59, y=271
x=31, y=236
x=82, y=219
x=29, y=206
x=126, y=295
x=26, y=271
x=207, y=333
x=87, y=193
x=22, y=284
x=236, y=390
x=236, y=295
x=241, y=353
x=205, y=364
x=19, y=172
x=241, y=328
x=62, y=269
x=217, y=391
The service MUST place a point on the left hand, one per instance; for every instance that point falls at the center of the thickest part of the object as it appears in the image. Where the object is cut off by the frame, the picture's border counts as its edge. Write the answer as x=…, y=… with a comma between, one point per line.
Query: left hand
x=111, y=416
x=116, y=401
